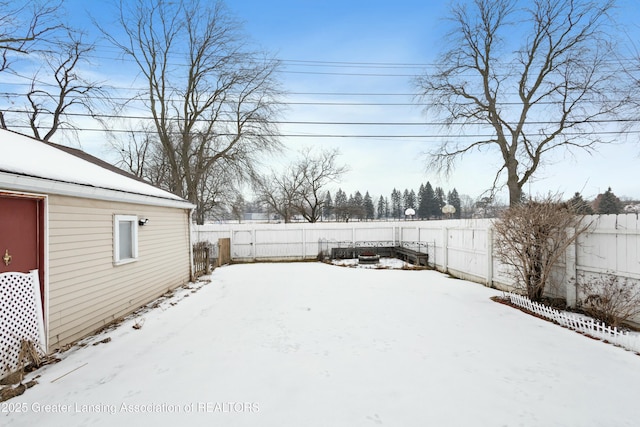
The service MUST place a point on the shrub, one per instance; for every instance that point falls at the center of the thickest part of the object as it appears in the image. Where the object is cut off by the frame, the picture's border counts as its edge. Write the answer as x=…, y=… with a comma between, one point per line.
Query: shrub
x=609, y=298
x=531, y=237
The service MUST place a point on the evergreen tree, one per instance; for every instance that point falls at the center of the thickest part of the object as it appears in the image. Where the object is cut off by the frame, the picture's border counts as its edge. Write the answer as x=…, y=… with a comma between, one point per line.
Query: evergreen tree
x=387, y=211
x=430, y=204
x=357, y=205
x=422, y=210
x=396, y=204
x=609, y=203
x=351, y=207
x=579, y=205
x=369, y=210
x=381, y=208
x=440, y=201
x=327, y=207
x=410, y=201
x=453, y=198
x=341, y=208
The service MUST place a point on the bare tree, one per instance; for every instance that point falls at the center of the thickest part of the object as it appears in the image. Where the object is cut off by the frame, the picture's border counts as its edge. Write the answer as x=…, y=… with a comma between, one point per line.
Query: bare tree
x=280, y=192
x=531, y=237
x=467, y=205
x=238, y=207
x=317, y=170
x=25, y=29
x=23, y=25
x=35, y=42
x=537, y=78
x=49, y=109
x=218, y=194
x=141, y=154
x=210, y=98
x=300, y=188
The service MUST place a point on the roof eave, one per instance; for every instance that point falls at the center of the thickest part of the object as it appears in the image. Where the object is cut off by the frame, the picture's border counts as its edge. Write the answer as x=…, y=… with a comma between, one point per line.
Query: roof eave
x=17, y=182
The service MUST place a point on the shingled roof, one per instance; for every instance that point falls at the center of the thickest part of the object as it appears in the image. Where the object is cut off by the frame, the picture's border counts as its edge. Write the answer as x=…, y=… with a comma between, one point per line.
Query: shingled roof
x=28, y=164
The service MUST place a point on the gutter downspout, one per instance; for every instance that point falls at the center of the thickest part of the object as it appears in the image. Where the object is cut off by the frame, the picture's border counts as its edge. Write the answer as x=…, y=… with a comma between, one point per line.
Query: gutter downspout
x=190, y=240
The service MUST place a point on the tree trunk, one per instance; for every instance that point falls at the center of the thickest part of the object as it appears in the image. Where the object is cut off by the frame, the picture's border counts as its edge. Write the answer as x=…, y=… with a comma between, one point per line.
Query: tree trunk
x=515, y=189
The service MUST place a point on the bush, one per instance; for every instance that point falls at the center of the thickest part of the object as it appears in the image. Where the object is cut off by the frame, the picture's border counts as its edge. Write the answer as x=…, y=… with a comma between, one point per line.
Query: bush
x=610, y=299
x=532, y=237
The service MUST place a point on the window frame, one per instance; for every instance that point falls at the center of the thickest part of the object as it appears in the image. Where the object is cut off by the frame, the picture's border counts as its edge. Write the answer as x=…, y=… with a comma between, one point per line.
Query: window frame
x=117, y=219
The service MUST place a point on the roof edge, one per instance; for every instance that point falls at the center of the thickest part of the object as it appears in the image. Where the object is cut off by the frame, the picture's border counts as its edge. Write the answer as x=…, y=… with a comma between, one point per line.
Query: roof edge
x=13, y=181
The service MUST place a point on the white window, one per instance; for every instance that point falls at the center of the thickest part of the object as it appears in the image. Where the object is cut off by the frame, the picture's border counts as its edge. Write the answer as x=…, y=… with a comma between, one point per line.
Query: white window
x=125, y=242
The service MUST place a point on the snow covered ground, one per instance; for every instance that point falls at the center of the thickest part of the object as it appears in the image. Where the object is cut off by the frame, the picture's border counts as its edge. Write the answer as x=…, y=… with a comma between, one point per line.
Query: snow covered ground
x=310, y=344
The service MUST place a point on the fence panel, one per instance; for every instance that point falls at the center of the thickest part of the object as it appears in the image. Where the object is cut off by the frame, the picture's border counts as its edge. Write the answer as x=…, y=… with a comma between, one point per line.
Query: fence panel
x=328, y=236
x=380, y=233
x=279, y=243
x=201, y=259
x=611, y=246
x=467, y=251
x=433, y=236
x=209, y=233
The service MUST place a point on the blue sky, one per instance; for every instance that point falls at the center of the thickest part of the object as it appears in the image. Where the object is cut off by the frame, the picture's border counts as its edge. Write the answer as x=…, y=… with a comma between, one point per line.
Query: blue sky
x=385, y=38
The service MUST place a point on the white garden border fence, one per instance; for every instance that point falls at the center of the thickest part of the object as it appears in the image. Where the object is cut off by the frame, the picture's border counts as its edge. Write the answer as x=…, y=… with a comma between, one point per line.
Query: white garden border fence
x=585, y=325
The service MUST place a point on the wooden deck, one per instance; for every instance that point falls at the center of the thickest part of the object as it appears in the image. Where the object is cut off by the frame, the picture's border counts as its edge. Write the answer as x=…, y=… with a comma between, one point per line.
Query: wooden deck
x=409, y=255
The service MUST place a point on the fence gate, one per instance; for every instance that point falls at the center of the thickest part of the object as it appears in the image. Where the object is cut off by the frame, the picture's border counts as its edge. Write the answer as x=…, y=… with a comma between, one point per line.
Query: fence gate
x=224, y=251
x=201, y=259
x=20, y=317
x=243, y=243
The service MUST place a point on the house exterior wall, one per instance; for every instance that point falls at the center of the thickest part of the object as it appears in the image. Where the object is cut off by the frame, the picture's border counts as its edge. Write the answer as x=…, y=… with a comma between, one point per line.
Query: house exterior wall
x=85, y=289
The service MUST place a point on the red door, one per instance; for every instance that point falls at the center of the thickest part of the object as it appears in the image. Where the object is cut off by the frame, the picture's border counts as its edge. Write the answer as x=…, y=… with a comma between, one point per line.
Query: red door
x=21, y=235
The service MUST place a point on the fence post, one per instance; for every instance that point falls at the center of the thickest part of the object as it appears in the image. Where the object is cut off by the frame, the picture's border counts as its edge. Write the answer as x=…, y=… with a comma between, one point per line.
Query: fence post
x=445, y=249
x=304, y=243
x=207, y=260
x=489, y=256
x=571, y=274
x=253, y=243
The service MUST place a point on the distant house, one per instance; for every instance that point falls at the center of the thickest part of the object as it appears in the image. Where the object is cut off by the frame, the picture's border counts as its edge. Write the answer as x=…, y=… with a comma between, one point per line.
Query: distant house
x=632, y=208
x=104, y=242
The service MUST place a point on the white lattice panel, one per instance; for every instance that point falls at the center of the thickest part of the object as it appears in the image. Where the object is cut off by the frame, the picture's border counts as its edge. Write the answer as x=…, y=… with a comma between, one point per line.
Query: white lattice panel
x=20, y=317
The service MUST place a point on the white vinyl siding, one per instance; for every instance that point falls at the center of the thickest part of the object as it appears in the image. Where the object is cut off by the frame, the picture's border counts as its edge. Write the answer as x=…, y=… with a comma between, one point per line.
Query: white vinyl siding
x=86, y=290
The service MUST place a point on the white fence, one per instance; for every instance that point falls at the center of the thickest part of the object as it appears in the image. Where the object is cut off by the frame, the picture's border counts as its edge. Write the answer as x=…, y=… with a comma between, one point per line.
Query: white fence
x=583, y=325
x=462, y=247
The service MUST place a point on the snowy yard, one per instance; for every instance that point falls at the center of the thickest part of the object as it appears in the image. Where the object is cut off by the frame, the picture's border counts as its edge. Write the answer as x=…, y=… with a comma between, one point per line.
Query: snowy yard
x=309, y=344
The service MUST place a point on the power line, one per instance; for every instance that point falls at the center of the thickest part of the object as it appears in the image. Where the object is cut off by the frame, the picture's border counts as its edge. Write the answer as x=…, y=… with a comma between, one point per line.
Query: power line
x=315, y=62
x=312, y=103
x=144, y=89
x=321, y=122
x=351, y=94
x=344, y=136
x=328, y=73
